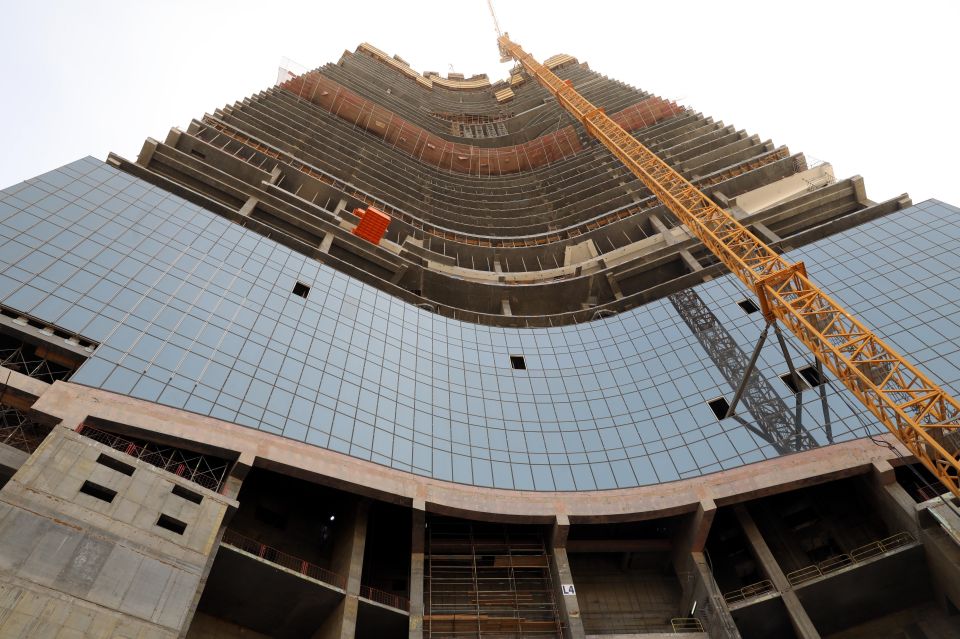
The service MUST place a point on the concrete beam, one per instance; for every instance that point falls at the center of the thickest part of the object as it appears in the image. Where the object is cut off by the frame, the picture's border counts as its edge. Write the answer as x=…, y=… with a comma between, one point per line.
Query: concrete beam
x=73, y=404
x=799, y=619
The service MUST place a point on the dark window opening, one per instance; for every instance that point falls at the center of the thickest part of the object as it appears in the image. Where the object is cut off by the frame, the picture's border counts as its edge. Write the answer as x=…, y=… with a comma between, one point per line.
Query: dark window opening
x=748, y=306
x=189, y=495
x=518, y=363
x=96, y=490
x=171, y=524
x=198, y=154
x=206, y=470
x=791, y=383
x=720, y=406
x=811, y=375
x=115, y=464
x=301, y=289
x=809, y=378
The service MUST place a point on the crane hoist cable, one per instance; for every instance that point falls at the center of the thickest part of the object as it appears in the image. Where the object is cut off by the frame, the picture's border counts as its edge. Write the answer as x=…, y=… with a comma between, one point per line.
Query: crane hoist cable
x=916, y=410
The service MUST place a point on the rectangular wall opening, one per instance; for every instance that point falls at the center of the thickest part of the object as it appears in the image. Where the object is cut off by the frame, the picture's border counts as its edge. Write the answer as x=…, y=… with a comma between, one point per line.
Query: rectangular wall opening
x=748, y=306
x=115, y=464
x=301, y=290
x=97, y=491
x=189, y=495
x=624, y=576
x=720, y=407
x=171, y=524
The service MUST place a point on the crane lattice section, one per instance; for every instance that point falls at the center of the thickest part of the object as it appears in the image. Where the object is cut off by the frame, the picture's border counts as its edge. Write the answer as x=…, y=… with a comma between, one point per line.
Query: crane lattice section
x=916, y=410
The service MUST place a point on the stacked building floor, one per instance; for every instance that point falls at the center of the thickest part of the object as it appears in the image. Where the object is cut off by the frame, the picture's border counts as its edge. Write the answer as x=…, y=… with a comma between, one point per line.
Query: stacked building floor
x=232, y=404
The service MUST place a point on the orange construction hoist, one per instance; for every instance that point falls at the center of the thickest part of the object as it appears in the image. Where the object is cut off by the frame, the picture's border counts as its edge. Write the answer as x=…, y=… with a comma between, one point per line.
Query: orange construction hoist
x=916, y=410
x=373, y=224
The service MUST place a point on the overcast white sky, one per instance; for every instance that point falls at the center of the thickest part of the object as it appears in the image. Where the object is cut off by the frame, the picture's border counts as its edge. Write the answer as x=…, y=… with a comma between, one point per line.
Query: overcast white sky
x=869, y=86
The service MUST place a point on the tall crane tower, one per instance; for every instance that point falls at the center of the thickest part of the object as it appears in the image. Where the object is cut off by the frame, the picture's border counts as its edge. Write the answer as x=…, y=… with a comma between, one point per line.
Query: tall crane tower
x=916, y=410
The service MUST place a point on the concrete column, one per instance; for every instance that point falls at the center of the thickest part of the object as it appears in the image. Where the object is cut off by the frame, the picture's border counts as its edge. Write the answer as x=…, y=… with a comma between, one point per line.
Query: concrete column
x=690, y=261
x=326, y=243
x=799, y=619
x=230, y=489
x=662, y=229
x=892, y=502
x=699, y=587
x=248, y=207
x=943, y=560
x=416, y=569
x=709, y=600
x=692, y=539
x=348, y=561
x=568, y=606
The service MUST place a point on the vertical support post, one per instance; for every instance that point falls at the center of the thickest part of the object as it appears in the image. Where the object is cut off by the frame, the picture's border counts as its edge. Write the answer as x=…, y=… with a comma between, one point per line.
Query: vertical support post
x=348, y=561
x=230, y=489
x=418, y=546
x=700, y=594
x=827, y=426
x=749, y=370
x=565, y=590
x=801, y=622
x=794, y=375
x=894, y=505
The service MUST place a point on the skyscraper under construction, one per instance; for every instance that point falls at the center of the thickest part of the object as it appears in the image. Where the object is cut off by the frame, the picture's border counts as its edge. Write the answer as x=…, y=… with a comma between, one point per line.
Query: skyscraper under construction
x=382, y=354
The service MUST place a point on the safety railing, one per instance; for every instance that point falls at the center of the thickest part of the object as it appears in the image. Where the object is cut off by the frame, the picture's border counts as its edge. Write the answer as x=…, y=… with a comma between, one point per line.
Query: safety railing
x=280, y=558
x=203, y=470
x=682, y=625
x=385, y=598
x=749, y=592
x=855, y=556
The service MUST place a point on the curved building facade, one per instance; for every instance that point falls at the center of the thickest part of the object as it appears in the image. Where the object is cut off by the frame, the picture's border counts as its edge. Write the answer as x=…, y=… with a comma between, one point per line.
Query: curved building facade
x=234, y=406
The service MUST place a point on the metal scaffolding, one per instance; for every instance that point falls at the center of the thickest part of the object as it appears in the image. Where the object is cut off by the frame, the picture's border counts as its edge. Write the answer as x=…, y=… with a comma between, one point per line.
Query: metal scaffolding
x=487, y=581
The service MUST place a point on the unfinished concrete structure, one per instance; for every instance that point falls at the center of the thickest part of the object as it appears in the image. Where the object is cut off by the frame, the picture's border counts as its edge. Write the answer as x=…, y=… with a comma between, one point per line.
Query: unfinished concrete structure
x=230, y=411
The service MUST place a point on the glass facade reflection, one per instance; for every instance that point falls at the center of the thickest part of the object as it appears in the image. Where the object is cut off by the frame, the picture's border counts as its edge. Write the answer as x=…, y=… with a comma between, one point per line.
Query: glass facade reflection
x=197, y=313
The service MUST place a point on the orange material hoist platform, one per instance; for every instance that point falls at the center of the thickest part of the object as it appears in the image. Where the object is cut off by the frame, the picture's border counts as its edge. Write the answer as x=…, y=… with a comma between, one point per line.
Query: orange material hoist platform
x=373, y=224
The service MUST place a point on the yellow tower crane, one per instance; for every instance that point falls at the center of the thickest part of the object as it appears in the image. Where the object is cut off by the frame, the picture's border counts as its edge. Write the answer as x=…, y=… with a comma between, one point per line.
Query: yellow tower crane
x=916, y=410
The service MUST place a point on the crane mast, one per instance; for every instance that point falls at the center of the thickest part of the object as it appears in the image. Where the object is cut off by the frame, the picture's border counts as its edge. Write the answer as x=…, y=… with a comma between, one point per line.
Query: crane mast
x=917, y=411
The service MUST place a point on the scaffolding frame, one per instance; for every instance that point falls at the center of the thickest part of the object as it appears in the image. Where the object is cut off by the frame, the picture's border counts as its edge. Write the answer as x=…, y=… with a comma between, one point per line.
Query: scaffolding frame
x=485, y=581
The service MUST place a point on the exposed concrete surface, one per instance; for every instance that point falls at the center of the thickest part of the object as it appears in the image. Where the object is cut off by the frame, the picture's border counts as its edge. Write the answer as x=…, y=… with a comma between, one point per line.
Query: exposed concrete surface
x=205, y=626
x=72, y=560
x=11, y=459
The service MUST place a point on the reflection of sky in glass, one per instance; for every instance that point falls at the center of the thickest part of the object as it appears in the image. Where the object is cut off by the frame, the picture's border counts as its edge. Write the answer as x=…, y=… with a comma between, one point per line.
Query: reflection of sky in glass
x=196, y=312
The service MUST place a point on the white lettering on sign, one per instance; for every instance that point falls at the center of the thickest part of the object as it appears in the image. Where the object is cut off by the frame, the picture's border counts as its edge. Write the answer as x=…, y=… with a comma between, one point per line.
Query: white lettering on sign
x=568, y=589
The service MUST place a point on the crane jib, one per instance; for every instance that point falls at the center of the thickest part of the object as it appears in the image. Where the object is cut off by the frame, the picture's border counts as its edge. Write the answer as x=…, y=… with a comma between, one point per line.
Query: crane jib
x=917, y=411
